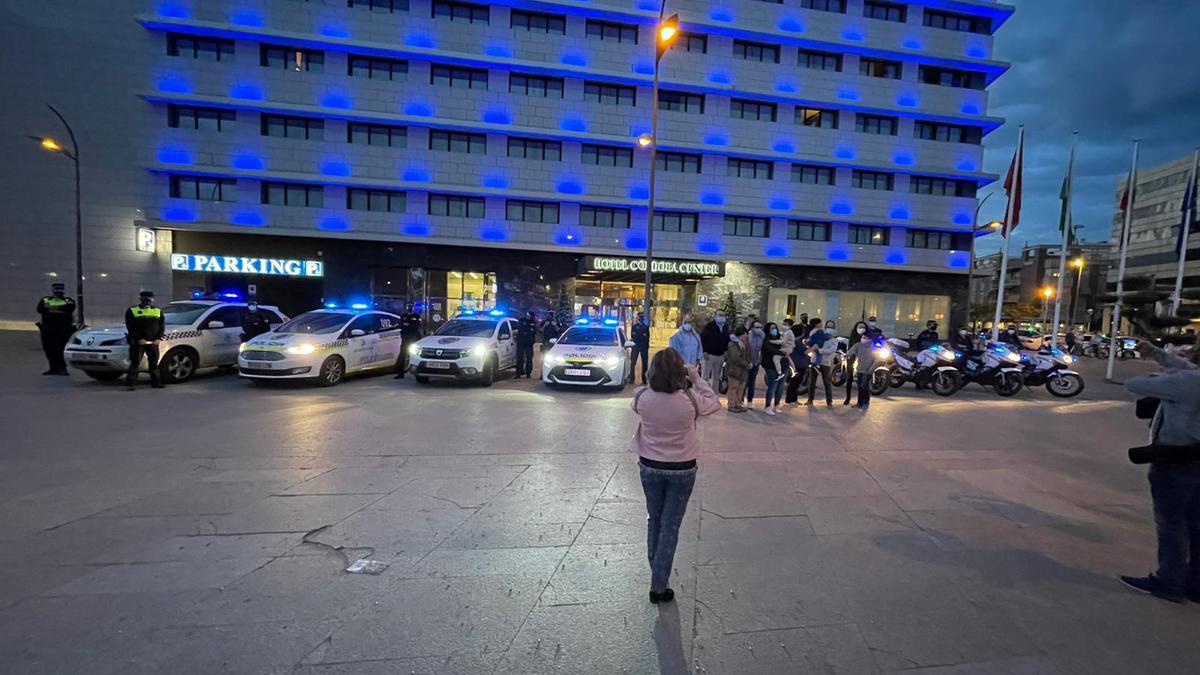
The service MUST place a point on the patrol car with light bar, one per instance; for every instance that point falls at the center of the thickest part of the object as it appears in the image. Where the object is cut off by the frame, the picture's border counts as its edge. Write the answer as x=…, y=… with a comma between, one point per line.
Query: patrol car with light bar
x=591, y=353
x=325, y=346
x=474, y=346
x=200, y=333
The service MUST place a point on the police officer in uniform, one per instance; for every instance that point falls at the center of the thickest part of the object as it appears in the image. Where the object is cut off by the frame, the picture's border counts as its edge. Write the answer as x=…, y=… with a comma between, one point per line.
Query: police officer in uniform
x=144, y=328
x=928, y=337
x=56, y=325
x=255, y=323
x=526, y=336
x=410, y=333
x=640, y=336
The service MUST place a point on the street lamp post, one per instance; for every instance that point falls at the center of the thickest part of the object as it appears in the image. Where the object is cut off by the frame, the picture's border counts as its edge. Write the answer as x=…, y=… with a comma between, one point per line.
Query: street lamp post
x=73, y=155
x=974, y=235
x=665, y=34
x=1047, y=293
x=1076, y=263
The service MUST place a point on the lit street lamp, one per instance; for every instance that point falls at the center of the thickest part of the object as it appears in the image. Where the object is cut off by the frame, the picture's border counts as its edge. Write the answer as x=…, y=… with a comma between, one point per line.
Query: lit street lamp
x=665, y=36
x=1078, y=264
x=72, y=154
x=1047, y=293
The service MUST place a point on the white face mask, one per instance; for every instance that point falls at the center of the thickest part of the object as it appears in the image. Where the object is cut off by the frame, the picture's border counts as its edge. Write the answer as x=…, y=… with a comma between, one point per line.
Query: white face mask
x=830, y=329
x=687, y=326
x=861, y=330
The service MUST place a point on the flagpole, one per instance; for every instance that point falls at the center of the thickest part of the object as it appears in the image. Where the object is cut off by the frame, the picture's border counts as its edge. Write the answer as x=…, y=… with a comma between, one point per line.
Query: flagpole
x=1131, y=191
x=1007, y=232
x=1189, y=217
x=1066, y=228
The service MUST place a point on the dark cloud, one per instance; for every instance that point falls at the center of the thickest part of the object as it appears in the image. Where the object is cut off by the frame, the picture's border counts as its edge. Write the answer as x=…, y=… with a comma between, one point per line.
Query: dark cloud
x=1114, y=70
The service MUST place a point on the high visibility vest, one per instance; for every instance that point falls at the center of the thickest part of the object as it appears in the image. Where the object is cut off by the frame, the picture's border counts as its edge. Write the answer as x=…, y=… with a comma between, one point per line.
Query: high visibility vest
x=51, y=302
x=145, y=312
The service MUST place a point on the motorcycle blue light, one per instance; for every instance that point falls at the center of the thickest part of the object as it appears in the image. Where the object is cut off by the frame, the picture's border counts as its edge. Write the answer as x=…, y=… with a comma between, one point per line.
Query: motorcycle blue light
x=359, y=305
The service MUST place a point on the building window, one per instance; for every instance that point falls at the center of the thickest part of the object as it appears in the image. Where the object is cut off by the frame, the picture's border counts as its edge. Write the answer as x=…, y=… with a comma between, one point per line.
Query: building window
x=200, y=119
x=948, y=77
x=817, y=117
x=947, y=133
x=943, y=187
x=284, y=126
x=374, y=68
x=293, y=194
x=603, y=216
x=872, y=180
x=530, y=148
x=815, y=60
x=522, y=211
x=680, y=101
x=292, y=58
x=838, y=6
x=957, y=22
x=537, y=22
x=677, y=162
x=890, y=70
x=868, y=235
x=813, y=175
x=943, y=241
x=808, y=230
x=886, y=11
x=676, y=221
x=206, y=189
x=875, y=124
x=203, y=48
x=752, y=110
x=460, y=11
x=609, y=94
x=614, y=32
x=377, y=134
x=380, y=5
x=607, y=155
x=449, y=76
x=746, y=226
x=756, y=51
x=535, y=85
x=749, y=168
x=456, y=206
x=458, y=141
x=696, y=43
x=384, y=201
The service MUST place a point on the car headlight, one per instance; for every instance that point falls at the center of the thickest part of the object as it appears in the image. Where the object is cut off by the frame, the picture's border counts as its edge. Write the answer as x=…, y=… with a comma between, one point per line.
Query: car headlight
x=475, y=351
x=553, y=359
x=611, y=361
x=242, y=347
x=414, y=350
x=302, y=349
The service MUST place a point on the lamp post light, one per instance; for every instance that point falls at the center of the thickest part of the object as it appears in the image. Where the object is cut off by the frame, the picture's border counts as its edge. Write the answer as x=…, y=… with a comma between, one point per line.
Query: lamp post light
x=976, y=232
x=72, y=154
x=1047, y=293
x=665, y=35
x=1077, y=263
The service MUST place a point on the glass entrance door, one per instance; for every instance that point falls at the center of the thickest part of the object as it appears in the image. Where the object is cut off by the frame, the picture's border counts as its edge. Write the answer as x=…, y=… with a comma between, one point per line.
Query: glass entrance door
x=622, y=300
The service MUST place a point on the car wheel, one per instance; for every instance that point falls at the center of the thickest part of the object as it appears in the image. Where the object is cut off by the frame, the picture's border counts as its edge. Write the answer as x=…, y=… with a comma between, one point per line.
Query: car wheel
x=178, y=365
x=488, y=376
x=1125, y=355
x=103, y=376
x=333, y=369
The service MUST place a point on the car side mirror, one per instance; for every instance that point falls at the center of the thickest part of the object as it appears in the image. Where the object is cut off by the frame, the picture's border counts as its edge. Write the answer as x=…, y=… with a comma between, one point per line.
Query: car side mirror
x=630, y=344
x=215, y=324
x=502, y=338
x=553, y=341
x=357, y=332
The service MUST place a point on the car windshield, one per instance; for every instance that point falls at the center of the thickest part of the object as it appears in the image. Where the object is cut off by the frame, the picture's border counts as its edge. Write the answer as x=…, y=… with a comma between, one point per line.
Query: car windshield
x=467, y=328
x=589, y=336
x=183, y=313
x=316, y=322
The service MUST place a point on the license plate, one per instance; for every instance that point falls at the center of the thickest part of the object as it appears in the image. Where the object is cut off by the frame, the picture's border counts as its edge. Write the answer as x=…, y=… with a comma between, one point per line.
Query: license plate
x=437, y=365
x=578, y=372
x=265, y=365
x=84, y=356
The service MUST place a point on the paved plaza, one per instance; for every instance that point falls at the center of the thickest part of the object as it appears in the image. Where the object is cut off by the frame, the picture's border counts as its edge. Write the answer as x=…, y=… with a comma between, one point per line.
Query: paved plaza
x=205, y=528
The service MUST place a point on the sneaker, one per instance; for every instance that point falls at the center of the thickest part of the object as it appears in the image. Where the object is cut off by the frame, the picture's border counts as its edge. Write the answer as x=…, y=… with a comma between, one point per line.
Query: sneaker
x=1150, y=585
x=778, y=410
x=750, y=405
x=769, y=411
x=781, y=378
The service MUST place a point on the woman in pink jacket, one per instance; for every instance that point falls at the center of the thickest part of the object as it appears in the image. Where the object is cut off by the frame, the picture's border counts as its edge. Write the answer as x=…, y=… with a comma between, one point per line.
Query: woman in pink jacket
x=666, y=445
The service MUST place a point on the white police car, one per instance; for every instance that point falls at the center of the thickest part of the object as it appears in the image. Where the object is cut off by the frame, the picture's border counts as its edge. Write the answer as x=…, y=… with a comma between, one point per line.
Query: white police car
x=468, y=347
x=589, y=354
x=200, y=333
x=324, y=345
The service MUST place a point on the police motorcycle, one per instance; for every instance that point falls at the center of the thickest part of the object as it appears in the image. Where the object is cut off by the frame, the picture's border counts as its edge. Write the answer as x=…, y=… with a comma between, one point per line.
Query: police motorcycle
x=999, y=367
x=885, y=361
x=839, y=371
x=1051, y=367
x=938, y=371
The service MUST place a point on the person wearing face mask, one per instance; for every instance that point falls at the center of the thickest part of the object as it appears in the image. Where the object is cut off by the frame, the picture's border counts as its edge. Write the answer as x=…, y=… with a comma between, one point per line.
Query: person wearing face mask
x=255, y=322
x=963, y=342
x=410, y=334
x=862, y=355
x=1009, y=337
x=56, y=325
x=737, y=367
x=822, y=343
x=770, y=351
x=928, y=337
x=754, y=345
x=857, y=335
x=874, y=332
x=144, y=329
x=686, y=342
x=787, y=345
x=714, y=339
x=640, y=336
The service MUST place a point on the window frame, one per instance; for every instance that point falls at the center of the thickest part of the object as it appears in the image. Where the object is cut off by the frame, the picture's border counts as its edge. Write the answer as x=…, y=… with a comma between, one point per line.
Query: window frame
x=308, y=189
x=737, y=167
x=596, y=92
x=311, y=57
x=217, y=184
x=666, y=161
x=822, y=115
x=392, y=6
x=529, y=17
x=687, y=39
x=805, y=60
x=313, y=127
x=451, y=74
x=921, y=239
x=866, y=123
x=621, y=157
x=526, y=204
x=472, y=140
x=394, y=67
x=822, y=175
x=818, y=230
x=605, y=31
x=746, y=47
x=751, y=223
x=968, y=134
x=223, y=119
x=852, y=232
x=372, y=194
x=223, y=49
x=456, y=206
x=530, y=84
x=541, y=146
x=880, y=68
x=891, y=11
x=683, y=101
x=456, y=10
x=759, y=106
x=371, y=130
x=680, y=217
x=835, y=6
x=859, y=179
x=613, y=214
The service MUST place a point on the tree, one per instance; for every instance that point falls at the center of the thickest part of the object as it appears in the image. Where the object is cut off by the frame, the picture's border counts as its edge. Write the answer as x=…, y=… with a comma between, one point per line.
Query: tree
x=730, y=309
x=564, y=311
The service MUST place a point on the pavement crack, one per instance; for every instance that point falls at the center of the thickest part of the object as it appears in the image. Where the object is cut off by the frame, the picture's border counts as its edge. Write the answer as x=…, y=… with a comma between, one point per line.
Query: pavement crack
x=450, y=501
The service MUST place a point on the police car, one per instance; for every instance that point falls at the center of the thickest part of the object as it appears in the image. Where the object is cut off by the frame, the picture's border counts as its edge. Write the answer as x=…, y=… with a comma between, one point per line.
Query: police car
x=590, y=354
x=200, y=333
x=471, y=346
x=324, y=345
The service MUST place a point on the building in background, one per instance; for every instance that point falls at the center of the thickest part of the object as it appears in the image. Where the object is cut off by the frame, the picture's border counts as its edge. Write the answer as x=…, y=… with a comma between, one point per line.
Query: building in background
x=1035, y=269
x=815, y=156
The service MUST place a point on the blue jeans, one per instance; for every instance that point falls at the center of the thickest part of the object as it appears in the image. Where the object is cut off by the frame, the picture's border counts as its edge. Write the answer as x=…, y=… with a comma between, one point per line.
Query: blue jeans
x=774, y=385
x=1175, y=489
x=751, y=377
x=667, y=494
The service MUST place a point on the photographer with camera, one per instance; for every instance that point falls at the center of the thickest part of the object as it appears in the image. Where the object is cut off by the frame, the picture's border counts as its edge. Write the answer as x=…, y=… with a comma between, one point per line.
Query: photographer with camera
x=1174, y=458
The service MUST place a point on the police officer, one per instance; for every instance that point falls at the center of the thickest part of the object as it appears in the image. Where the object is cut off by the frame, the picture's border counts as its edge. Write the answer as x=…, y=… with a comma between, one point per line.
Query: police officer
x=410, y=333
x=56, y=325
x=144, y=328
x=928, y=337
x=526, y=336
x=256, y=322
x=1009, y=337
x=640, y=336
x=964, y=342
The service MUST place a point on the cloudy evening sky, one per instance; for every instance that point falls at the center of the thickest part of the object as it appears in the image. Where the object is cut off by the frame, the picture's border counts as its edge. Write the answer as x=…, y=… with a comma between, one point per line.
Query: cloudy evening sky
x=1112, y=69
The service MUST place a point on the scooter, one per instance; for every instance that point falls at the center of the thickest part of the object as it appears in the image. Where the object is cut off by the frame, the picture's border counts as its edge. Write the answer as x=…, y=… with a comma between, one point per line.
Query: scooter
x=999, y=368
x=1052, y=368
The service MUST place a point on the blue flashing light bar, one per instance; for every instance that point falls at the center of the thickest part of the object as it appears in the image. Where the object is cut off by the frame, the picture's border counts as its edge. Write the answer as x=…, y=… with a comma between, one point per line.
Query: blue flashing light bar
x=496, y=312
x=581, y=321
x=611, y=322
x=331, y=305
x=360, y=305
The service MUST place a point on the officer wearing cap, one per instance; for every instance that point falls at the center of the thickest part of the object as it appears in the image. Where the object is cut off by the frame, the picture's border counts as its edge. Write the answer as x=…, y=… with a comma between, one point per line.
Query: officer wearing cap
x=410, y=333
x=144, y=328
x=56, y=325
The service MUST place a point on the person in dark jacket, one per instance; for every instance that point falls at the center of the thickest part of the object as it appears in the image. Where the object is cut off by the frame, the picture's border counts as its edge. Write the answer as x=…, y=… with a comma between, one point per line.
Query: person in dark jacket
x=56, y=324
x=144, y=329
x=714, y=339
x=255, y=322
x=964, y=342
x=737, y=367
x=928, y=337
x=800, y=360
x=640, y=336
x=1009, y=337
x=874, y=332
x=771, y=349
x=856, y=335
x=410, y=334
x=526, y=336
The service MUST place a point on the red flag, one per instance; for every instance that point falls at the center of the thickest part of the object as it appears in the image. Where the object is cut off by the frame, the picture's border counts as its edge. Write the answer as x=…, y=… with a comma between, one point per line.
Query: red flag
x=1125, y=197
x=1013, y=185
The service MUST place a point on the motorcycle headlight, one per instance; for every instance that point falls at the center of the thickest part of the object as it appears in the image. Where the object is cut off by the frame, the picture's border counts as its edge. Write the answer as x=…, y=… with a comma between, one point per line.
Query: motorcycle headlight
x=302, y=350
x=1013, y=356
x=883, y=354
x=946, y=355
x=413, y=350
x=1068, y=359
